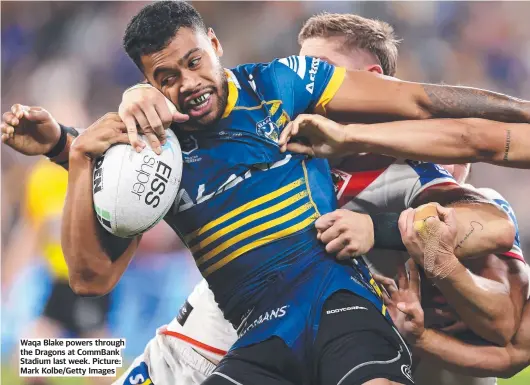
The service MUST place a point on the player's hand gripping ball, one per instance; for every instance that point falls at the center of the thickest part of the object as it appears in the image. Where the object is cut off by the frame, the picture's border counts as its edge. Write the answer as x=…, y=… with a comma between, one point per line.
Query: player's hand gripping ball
x=133, y=191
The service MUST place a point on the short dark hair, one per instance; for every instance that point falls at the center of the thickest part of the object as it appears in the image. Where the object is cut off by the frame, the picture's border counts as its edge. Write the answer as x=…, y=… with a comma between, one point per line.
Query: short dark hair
x=153, y=28
x=373, y=35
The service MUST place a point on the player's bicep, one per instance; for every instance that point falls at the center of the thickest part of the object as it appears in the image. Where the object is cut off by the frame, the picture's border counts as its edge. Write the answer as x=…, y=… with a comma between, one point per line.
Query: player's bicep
x=369, y=97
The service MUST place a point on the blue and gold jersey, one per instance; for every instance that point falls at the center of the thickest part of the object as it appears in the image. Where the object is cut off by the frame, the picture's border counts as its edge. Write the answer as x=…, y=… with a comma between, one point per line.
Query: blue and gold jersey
x=245, y=210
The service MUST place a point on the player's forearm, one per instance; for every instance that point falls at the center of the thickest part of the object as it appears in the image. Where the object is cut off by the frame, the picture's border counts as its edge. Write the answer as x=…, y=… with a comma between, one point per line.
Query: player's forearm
x=482, y=227
x=460, y=357
x=444, y=101
x=445, y=141
x=483, y=304
x=89, y=258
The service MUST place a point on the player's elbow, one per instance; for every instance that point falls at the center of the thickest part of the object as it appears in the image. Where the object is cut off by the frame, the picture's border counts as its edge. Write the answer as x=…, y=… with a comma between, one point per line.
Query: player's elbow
x=90, y=283
x=89, y=289
x=511, y=369
x=505, y=236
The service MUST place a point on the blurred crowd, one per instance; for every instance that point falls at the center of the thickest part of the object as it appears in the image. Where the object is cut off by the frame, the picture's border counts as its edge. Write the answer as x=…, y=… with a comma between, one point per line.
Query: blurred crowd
x=68, y=58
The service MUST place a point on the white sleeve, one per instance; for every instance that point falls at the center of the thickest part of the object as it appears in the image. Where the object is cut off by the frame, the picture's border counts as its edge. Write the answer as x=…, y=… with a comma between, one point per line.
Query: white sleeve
x=516, y=251
x=428, y=175
x=372, y=183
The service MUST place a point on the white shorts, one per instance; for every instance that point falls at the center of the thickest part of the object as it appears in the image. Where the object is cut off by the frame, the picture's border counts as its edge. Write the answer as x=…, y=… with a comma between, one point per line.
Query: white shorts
x=430, y=373
x=167, y=361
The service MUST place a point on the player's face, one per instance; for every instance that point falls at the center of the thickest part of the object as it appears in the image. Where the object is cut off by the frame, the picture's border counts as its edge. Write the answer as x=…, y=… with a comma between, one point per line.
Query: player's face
x=331, y=49
x=189, y=73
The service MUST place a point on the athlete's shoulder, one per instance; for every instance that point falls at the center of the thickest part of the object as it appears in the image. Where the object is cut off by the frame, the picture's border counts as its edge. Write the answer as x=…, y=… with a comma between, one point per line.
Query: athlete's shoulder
x=304, y=73
x=503, y=203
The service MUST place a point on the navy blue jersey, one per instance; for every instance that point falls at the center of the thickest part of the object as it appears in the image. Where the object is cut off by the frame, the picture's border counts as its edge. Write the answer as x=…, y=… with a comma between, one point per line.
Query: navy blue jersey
x=245, y=210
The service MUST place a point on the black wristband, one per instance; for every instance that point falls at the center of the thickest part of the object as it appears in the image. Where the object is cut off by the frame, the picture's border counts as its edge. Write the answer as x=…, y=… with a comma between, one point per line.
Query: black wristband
x=386, y=231
x=59, y=147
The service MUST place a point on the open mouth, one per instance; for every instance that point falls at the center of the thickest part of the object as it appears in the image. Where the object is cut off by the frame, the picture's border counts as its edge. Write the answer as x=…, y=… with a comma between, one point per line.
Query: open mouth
x=198, y=102
x=200, y=105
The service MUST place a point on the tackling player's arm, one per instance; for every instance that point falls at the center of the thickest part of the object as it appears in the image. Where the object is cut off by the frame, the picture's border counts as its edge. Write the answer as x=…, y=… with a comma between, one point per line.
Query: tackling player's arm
x=482, y=226
x=496, y=296
x=95, y=258
x=481, y=361
x=489, y=297
x=445, y=141
x=34, y=131
x=364, y=96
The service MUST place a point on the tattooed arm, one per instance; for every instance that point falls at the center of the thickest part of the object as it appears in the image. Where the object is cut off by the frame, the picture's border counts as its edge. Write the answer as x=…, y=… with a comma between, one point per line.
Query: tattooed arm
x=366, y=97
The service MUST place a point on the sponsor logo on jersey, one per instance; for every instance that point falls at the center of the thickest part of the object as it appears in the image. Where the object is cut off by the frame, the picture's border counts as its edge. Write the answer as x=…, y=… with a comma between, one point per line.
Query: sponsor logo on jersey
x=138, y=376
x=405, y=369
x=98, y=175
x=188, y=144
x=296, y=63
x=152, y=175
x=184, y=201
x=184, y=313
x=312, y=75
x=268, y=129
x=343, y=309
x=270, y=315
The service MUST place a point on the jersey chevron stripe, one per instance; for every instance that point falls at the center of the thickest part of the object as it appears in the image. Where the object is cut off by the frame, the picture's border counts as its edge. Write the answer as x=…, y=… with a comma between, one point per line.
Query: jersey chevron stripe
x=250, y=205
x=304, y=167
x=295, y=63
x=331, y=89
x=260, y=242
x=255, y=230
x=259, y=215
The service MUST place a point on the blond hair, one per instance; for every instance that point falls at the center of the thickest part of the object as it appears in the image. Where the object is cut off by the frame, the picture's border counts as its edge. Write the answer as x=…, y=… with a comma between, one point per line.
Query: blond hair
x=373, y=35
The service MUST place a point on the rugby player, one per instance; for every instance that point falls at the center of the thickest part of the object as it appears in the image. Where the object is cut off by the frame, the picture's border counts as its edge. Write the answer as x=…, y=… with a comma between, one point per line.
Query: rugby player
x=396, y=171
x=94, y=151
x=441, y=349
x=273, y=264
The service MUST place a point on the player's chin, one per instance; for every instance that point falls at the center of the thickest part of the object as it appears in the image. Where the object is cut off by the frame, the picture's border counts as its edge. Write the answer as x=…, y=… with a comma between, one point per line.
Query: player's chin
x=210, y=118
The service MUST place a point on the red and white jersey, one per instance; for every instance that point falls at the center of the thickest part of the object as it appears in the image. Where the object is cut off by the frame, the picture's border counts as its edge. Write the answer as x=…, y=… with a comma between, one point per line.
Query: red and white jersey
x=375, y=183
x=201, y=324
x=186, y=351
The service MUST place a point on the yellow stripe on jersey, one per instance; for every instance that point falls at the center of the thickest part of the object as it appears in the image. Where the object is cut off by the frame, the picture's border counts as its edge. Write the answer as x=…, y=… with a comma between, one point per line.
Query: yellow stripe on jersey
x=273, y=102
x=260, y=214
x=253, y=231
x=260, y=242
x=376, y=287
x=383, y=309
x=250, y=205
x=233, y=94
x=309, y=189
x=331, y=89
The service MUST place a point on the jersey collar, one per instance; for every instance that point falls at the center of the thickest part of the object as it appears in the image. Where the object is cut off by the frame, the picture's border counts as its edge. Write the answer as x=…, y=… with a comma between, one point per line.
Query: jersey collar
x=233, y=93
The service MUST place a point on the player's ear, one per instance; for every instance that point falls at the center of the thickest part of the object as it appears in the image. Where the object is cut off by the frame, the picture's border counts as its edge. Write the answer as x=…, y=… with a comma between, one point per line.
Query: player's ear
x=216, y=44
x=375, y=68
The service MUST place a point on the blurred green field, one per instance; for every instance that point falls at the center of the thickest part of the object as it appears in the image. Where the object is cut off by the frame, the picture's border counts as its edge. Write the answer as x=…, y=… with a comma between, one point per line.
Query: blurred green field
x=10, y=377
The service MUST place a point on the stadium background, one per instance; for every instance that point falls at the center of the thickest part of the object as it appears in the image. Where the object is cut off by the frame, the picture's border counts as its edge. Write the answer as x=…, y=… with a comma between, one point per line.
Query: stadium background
x=67, y=57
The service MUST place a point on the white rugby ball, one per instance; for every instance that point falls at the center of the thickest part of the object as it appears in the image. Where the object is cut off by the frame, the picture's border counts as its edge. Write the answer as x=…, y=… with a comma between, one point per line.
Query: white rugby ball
x=133, y=191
